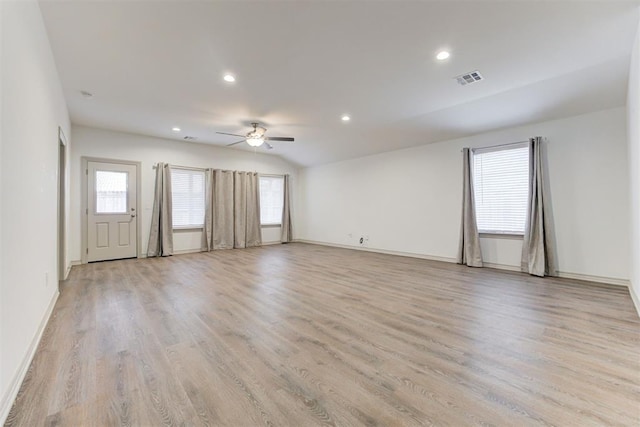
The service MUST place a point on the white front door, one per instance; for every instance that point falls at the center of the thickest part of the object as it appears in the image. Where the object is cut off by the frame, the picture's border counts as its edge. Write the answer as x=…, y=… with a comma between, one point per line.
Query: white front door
x=111, y=211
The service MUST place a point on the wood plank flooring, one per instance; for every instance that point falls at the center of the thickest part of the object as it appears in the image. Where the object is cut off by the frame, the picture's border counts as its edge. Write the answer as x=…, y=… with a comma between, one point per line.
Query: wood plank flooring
x=304, y=335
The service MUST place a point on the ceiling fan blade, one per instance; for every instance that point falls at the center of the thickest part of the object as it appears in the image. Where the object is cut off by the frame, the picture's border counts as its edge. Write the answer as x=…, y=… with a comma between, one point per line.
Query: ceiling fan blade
x=269, y=146
x=280, y=138
x=234, y=143
x=232, y=134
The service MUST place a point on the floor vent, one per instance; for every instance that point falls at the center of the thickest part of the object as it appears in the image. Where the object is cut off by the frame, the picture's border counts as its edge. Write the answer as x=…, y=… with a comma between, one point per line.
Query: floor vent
x=468, y=78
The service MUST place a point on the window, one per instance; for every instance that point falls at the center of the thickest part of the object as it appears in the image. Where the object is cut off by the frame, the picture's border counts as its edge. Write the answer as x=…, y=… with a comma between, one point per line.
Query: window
x=501, y=187
x=271, y=199
x=187, y=192
x=111, y=192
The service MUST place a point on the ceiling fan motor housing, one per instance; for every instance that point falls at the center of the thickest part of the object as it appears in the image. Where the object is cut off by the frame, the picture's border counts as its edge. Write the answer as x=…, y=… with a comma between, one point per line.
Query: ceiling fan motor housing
x=257, y=132
x=256, y=138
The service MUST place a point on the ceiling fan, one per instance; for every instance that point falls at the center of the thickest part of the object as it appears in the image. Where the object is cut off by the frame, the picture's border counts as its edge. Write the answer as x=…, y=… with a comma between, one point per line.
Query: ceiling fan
x=256, y=137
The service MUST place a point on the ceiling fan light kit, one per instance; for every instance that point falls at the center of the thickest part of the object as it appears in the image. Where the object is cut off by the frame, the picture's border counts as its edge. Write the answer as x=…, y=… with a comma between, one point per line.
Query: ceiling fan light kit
x=256, y=138
x=255, y=141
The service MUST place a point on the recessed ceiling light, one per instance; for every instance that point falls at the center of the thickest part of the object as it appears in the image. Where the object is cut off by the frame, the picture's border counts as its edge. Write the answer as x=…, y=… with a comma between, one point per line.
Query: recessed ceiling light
x=86, y=94
x=229, y=78
x=175, y=129
x=442, y=55
x=345, y=118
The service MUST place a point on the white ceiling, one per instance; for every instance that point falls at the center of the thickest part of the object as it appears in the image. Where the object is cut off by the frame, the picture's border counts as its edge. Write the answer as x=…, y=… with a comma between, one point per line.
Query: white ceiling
x=301, y=65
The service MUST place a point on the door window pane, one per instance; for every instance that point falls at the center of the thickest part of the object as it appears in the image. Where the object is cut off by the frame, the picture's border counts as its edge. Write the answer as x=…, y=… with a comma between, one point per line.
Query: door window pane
x=111, y=192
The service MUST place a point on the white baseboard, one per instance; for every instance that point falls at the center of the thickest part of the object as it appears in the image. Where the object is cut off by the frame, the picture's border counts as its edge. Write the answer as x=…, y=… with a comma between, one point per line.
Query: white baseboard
x=635, y=298
x=67, y=271
x=597, y=279
x=187, y=251
x=14, y=386
x=192, y=251
x=74, y=263
x=380, y=251
x=566, y=275
x=501, y=266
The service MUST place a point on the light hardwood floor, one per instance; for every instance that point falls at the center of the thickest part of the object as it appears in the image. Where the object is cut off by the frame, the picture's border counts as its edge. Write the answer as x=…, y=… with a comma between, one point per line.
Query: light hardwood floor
x=303, y=335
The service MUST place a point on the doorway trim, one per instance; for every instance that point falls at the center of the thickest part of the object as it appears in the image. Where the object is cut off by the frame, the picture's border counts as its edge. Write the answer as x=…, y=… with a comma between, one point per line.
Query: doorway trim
x=85, y=203
x=63, y=148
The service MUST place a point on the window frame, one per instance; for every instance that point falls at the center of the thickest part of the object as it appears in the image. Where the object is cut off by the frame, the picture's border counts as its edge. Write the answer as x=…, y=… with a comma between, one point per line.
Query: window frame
x=510, y=235
x=270, y=224
x=188, y=227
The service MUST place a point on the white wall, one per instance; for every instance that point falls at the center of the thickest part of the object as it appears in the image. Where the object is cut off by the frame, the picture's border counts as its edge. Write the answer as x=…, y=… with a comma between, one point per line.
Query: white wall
x=33, y=107
x=4, y=395
x=633, y=122
x=91, y=142
x=409, y=200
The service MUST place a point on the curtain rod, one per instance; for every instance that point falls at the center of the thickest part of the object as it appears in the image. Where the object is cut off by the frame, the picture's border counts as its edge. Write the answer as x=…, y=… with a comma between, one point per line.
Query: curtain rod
x=171, y=165
x=496, y=146
x=155, y=166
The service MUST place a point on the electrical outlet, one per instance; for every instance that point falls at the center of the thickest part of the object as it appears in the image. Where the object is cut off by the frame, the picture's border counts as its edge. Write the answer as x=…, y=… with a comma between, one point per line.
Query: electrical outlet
x=361, y=240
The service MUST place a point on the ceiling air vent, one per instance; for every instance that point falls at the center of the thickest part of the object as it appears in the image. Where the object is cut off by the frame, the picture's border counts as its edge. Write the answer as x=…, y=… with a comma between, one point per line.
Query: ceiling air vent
x=468, y=78
x=190, y=138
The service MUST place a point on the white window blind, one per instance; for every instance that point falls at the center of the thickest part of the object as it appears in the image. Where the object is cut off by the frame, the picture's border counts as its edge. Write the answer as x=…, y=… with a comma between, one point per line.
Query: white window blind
x=187, y=192
x=271, y=199
x=501, y=187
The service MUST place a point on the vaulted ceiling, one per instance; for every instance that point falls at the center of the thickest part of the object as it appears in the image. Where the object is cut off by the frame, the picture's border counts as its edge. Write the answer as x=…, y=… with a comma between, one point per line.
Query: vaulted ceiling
x=300, y=66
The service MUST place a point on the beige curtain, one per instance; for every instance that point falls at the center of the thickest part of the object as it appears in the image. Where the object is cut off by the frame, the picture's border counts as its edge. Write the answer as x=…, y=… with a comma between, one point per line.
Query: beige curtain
x=207, y=234
x=246, y=210
x=232, y=210
x=286, y=233
x=253, y=236
x=240, y=209
x=161, y=234
x=538, y=251
x=222, y=210
x=469, y=252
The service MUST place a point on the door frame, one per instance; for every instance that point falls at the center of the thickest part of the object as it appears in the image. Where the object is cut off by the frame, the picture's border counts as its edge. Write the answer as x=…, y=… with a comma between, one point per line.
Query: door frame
x=63, y=266
x=85, y=202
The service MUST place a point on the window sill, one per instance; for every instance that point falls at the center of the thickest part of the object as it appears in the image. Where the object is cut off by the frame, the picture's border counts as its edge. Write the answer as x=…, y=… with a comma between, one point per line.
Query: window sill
x=188, y=228
x=507, y=236
x=270, y=225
